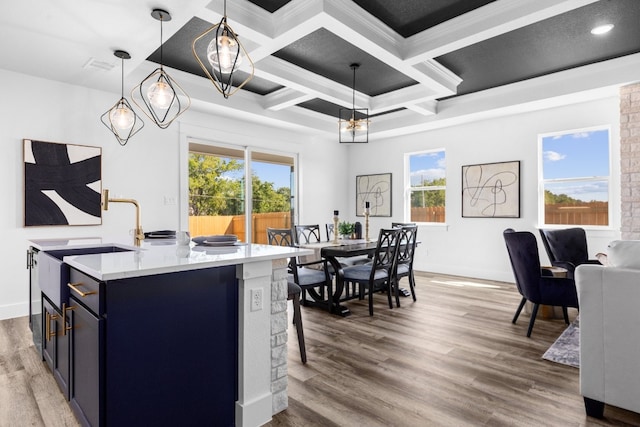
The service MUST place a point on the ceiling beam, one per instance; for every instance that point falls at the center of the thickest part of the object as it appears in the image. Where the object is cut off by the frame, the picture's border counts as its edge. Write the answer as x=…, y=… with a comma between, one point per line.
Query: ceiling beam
x=494, y=19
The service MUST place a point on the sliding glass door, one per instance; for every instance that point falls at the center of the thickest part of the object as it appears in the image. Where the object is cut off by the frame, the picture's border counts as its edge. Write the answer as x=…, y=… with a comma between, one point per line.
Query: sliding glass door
x=221, y=202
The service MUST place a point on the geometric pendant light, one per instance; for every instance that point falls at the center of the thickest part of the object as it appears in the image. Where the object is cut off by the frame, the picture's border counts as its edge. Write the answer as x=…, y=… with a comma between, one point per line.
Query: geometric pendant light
x=120, y=119
x=159, y=96
x=354, y=122
x=225, y=54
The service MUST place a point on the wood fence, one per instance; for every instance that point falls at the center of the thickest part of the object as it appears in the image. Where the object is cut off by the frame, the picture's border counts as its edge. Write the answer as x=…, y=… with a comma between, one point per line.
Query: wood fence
x=593, y=213
x=234, y=224
x=428, y=214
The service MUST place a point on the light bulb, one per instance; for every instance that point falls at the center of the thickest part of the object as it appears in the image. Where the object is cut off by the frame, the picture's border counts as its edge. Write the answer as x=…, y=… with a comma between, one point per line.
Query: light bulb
x=222, y=52
x=160, y=95
x=122, y=117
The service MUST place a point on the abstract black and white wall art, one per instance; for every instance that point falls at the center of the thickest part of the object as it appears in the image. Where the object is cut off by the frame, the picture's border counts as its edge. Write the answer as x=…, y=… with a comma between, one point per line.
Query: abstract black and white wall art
x=491, y=190
x=62, y=184
x=375, y=189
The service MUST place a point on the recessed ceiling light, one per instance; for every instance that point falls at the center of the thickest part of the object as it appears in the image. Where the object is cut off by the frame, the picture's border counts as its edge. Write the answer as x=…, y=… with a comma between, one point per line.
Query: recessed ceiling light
x=602, y=29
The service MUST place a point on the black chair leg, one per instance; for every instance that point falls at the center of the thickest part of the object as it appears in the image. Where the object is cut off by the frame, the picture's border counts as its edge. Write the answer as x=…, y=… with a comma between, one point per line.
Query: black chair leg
x=534, y=313
x=397, y=291
x=412, y=285
x=297, y=319
x=593, y=408
x=370, y=300
x=389, y=291
x=522, y=303
x=565, y=313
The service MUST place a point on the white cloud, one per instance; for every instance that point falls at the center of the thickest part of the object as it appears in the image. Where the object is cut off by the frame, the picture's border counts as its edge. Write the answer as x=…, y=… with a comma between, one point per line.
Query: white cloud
x=553, y=156
x=579, y=135
x=426, y=175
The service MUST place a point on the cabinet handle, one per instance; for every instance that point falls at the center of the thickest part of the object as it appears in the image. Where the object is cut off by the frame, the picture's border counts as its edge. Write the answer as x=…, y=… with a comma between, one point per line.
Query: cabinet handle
x=66, y=308
x=50, y=333
x=74, y=288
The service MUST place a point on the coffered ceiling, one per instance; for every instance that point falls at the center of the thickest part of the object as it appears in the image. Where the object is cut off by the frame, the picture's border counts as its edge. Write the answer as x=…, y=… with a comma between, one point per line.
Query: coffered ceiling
x=421, y=61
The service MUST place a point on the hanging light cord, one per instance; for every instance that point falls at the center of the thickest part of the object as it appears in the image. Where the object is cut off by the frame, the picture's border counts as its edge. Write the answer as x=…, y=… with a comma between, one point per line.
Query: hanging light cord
x=161, y=58
x=122, y=77
x=353, y=102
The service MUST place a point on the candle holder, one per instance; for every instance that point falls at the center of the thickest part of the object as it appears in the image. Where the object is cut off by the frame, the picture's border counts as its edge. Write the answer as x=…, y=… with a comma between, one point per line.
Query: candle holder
x=367, y=211
x=366, y=225
x=335, y=228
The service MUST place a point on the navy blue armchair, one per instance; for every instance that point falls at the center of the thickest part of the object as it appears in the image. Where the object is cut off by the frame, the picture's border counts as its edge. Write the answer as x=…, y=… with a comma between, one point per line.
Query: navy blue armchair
x=534, y=283
x=566, y=248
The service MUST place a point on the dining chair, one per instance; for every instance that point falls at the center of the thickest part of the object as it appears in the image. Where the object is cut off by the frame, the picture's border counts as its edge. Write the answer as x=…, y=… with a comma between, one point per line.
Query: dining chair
x=293, y=294
x=402, y=224
x=307, y=233
x=312, y=276
x=566, y=248
x=378, y=274
x=329, y=229
x=404, y=263
x=534, y=283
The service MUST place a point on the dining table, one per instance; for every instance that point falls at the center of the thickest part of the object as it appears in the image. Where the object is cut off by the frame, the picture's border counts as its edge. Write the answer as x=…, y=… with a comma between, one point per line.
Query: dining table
x=336, y=254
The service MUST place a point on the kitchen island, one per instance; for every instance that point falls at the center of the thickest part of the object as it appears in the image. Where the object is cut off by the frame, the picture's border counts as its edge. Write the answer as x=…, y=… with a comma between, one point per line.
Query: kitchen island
x=166, y=334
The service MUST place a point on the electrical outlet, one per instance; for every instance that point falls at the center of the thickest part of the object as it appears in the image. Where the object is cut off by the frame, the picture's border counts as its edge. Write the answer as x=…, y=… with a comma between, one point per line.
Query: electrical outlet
x=256, y=299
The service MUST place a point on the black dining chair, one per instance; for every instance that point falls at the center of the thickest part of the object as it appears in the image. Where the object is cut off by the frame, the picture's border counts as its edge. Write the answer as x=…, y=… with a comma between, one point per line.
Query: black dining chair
x=307, y=233
x=312, y=276
x=329, y=229
x=293, y=294
x=402, y=224
x=566, y=248
x=534, y=283
x=404, y=261
x=378, y=275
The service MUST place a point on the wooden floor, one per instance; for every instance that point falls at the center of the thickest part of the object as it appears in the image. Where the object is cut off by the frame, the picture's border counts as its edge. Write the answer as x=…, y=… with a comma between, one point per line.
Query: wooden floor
x=453, y=358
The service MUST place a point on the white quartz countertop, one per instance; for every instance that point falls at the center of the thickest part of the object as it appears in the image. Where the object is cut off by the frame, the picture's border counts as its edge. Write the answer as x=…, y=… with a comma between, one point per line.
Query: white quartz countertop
x=159, y=256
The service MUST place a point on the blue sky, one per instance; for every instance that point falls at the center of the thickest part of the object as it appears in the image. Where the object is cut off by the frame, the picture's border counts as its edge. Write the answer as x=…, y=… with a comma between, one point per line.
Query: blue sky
x=426, y=166
x=269, y=172
x=577, y=155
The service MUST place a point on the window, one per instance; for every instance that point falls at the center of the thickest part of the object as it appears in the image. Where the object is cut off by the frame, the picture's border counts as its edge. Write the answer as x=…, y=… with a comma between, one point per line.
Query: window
x=575, y=176
x=425, y=184
x=218, y=201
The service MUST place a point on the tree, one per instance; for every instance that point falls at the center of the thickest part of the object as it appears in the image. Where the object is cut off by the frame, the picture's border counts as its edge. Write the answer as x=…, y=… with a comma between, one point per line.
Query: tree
x=552, y=199
x=428, y=197
x=216, y=187
x=267, y=199
x=209, y=192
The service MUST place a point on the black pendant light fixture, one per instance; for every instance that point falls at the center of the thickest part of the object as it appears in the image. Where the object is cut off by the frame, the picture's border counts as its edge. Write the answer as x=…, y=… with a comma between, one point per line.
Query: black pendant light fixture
x=159, y=96
x=354, y=122
x=120, y=119
x=225, y=54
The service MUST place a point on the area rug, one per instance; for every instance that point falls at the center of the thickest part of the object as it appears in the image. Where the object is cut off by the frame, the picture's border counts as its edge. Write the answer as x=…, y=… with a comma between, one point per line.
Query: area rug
x=566, y=349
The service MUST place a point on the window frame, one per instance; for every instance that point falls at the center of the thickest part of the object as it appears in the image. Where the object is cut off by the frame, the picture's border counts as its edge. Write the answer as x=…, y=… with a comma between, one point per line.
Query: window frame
x=595, y=178
x=408, y=189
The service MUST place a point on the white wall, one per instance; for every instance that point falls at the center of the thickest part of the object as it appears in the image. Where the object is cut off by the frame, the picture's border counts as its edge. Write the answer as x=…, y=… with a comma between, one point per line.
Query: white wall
x=474, y=246
x=146, y=169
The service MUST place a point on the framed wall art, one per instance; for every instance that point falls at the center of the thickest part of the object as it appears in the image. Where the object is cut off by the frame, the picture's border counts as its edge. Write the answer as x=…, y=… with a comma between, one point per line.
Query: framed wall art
x=491, y=190
x=62, y=184
x=375, y=189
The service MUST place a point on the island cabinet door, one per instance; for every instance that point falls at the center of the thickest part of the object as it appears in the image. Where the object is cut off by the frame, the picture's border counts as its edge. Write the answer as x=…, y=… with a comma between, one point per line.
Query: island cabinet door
x=56, y=346
x=86, y=360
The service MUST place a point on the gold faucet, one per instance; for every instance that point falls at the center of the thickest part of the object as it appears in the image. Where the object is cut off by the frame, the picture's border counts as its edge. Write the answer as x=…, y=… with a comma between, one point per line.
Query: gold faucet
x=138, y=236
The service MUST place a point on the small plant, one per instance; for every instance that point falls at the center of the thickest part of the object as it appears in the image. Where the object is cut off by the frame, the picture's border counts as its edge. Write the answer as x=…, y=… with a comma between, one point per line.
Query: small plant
x=346, y=228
